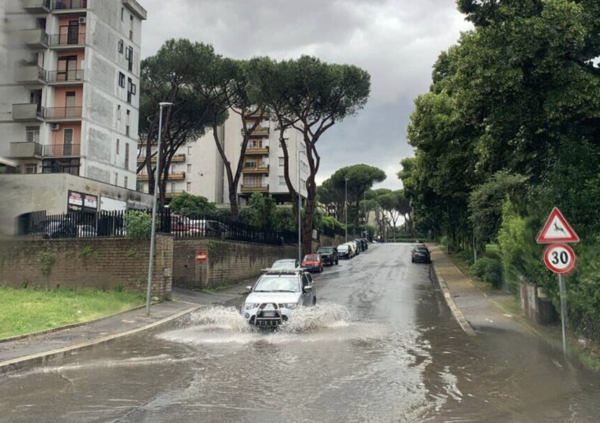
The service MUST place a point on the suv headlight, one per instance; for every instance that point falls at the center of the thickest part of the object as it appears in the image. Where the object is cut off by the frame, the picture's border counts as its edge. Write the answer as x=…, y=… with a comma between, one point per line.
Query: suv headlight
x=291, y=306
x=249, y=306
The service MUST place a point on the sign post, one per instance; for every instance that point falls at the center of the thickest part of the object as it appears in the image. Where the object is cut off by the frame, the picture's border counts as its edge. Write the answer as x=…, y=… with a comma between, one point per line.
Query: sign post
x=559, y=257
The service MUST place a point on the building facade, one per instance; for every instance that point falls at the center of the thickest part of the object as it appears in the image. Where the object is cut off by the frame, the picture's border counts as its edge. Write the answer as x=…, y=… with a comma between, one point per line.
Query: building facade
x=198, y=169
x=69, y=98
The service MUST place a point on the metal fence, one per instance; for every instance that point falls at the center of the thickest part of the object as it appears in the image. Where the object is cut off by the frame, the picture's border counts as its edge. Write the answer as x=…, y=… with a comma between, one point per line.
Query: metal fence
x=112, y=224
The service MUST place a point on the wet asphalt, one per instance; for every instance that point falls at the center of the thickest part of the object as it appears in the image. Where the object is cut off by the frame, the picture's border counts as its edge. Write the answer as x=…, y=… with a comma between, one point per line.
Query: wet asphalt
x=381, y=346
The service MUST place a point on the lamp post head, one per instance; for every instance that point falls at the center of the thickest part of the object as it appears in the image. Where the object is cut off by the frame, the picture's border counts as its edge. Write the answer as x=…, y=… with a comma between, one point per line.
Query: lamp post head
x=165, y=104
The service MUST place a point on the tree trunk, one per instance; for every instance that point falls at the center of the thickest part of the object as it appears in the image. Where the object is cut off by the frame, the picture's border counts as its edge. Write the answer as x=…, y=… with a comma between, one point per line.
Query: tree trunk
x=307, y=225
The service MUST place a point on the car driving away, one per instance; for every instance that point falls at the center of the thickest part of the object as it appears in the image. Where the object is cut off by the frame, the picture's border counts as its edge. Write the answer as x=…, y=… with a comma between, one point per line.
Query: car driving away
x=329, y=255
x=420, y=254
x=313, y=263
x=276, y=295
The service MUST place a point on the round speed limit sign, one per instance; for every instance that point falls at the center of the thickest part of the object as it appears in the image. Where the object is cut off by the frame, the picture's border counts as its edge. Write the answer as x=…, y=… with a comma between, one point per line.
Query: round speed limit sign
x=560, y=258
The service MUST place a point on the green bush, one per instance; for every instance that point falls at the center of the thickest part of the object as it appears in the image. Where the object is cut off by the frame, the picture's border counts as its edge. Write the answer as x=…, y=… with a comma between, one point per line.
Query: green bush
x=138, y=225
x=444, y=241
x=489, y=270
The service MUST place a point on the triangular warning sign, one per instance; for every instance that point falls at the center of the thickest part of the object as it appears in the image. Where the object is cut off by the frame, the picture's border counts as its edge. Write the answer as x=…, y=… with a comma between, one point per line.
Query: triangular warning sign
x=557, y=230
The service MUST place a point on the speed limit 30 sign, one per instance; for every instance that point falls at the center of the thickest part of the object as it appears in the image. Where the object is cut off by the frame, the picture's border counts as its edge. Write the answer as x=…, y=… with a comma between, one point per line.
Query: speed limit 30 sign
x=560, y=258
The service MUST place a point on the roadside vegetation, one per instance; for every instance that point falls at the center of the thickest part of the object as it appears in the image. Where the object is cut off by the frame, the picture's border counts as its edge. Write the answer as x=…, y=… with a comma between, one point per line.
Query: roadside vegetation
x=27, y=311
x=507, y=131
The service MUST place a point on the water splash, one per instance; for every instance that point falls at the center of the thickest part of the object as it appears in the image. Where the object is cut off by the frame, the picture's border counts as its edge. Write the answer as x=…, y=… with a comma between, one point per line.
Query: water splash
x=322, y=316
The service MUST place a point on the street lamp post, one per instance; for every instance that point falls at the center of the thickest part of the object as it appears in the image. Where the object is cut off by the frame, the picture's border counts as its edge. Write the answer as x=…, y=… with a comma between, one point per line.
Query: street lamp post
x=346, y=207
x=154, y=207
x=299, y=210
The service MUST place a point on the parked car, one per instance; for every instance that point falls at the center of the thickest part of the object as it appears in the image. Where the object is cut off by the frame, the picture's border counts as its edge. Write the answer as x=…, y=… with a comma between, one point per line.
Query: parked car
x=275, y=296
x=286, y=264
x=329, y=255
x=313, y=263
x=86, y=231
x=64, y=228
x=356, y=246
x=181, y=225
x=211, y=228
x=420, y=254
x=345, y=251
x=361, y=244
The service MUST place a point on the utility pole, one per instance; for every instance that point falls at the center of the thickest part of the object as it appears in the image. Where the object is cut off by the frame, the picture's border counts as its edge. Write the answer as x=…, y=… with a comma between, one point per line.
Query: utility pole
x=154, y=207
x=346, y=207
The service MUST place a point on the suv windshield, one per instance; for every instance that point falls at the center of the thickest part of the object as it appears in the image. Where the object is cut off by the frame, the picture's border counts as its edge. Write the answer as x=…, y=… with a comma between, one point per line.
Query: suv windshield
x=325, y=250
x=277, y=284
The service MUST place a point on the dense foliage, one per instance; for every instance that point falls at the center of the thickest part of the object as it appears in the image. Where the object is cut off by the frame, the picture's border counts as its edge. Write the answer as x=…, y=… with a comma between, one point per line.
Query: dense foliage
x=508, y=130
x=137, y=224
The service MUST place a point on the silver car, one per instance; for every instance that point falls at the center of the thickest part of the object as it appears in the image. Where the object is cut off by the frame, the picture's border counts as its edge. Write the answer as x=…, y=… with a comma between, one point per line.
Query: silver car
x=276, y=295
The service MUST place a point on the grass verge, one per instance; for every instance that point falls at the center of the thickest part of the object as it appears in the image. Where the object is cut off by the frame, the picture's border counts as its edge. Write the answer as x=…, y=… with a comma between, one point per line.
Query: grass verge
x=26, y=311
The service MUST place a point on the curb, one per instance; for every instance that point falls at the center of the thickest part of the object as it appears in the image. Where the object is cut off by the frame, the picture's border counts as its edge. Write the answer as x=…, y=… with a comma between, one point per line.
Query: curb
x=458, y=315
x=43, y=358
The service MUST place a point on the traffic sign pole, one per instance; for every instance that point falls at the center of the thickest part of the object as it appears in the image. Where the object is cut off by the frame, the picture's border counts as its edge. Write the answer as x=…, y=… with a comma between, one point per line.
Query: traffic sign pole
x=563, y=310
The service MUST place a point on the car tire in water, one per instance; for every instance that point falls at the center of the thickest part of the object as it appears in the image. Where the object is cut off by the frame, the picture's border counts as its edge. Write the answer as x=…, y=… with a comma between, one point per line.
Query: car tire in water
x=314, y=300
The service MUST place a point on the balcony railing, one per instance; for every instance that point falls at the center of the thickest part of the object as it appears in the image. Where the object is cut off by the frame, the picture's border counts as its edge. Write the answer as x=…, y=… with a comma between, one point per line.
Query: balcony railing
x=34, y=38
x=62, y=150
x=258, y=132
x=174, y=193
x=69, y=4
x=25, y=150
x=258, y=169
x=255, y=187
x=26, y=112
x=36, y=6
x=75, y=75
x=179, y=158
x=28, y=74
x=172, y=176
x=62, y=112
x=257, y=150
x=67, y=39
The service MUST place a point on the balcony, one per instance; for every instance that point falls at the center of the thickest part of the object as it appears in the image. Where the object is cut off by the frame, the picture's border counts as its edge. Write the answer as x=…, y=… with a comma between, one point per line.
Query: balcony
x=172, y=177
x=136, y=9
x=173, y=194
x=25, y=150
x=62, y=113
x=256, y=170
x=26, y=112
x=249, y=188
x=70, y=77
x=180, y=158
x=258, y=132
x=62, y=150
x=257, y=150
x=67, y=40
x=27, y=74
x=68, y=6
x=36, y=39
x=36, y=6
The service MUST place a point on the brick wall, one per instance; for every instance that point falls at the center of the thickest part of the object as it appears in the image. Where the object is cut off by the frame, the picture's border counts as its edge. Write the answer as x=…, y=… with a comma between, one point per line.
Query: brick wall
x=102, y=263
x=228, y=262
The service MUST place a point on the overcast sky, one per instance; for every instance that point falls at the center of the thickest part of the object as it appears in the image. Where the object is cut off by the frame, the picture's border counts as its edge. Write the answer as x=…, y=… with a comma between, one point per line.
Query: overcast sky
x=396, y=41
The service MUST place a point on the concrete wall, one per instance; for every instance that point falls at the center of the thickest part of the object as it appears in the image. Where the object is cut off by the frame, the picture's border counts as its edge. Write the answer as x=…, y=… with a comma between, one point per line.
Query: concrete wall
x=104, y=264
x=228, y=262
x=536, y=304
x=22, y=194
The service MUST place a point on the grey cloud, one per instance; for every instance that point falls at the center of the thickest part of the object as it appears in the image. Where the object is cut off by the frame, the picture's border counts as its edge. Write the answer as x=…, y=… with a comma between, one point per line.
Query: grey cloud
x=397, y=41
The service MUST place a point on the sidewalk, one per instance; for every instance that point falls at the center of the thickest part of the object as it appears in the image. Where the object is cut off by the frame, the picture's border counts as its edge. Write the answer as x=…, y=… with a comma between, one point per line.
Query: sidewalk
x=476, y=307
x=36, y=350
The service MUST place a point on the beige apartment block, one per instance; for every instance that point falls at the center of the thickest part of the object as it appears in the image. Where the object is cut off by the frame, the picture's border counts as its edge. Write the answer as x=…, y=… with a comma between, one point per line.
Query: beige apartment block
x=198, y=169
x=69, y=87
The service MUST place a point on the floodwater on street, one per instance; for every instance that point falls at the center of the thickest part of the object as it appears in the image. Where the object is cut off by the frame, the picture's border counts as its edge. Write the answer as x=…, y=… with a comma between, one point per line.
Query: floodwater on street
x=380, y=346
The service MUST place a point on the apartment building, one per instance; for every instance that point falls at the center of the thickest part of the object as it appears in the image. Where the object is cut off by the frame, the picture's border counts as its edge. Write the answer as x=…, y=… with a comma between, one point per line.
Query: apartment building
x=198, y=169
x=69, y=98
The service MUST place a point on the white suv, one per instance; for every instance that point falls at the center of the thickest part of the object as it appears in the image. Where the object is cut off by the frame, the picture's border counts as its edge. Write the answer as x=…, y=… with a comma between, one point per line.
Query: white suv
x=276, y=295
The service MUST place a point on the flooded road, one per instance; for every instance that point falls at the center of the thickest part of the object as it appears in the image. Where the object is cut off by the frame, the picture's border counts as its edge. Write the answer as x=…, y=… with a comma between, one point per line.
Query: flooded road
x=381, y=346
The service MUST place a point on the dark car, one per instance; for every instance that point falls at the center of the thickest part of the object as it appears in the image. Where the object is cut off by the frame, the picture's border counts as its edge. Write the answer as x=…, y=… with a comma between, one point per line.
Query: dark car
x=313, y=263
x=361, y=244
x=366, y=241
x=329, y=255
x=420, y=255
x=63, y=228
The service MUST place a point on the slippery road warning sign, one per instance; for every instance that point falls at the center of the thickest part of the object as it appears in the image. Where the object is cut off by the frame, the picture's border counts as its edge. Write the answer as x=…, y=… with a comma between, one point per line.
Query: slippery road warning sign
x=557, y=230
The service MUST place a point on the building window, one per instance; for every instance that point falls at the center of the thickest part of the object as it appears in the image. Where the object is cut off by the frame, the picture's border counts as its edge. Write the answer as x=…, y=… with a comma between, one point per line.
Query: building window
x=282, y=180
x=121, y=80
x=129, y=58
x=127, y=122
x=251, y=163
x=189, y=168
x=116, y=179
x=126, y=156
x=282, y=161
x=126, y=180
x=172, y=187
x=121, y=46
x=118, y=146
x=32, y=134
x=122, y=14
x=189, y=186
x=189, y=151
x=131, y=27
x=119, y=112
x=31, y=168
